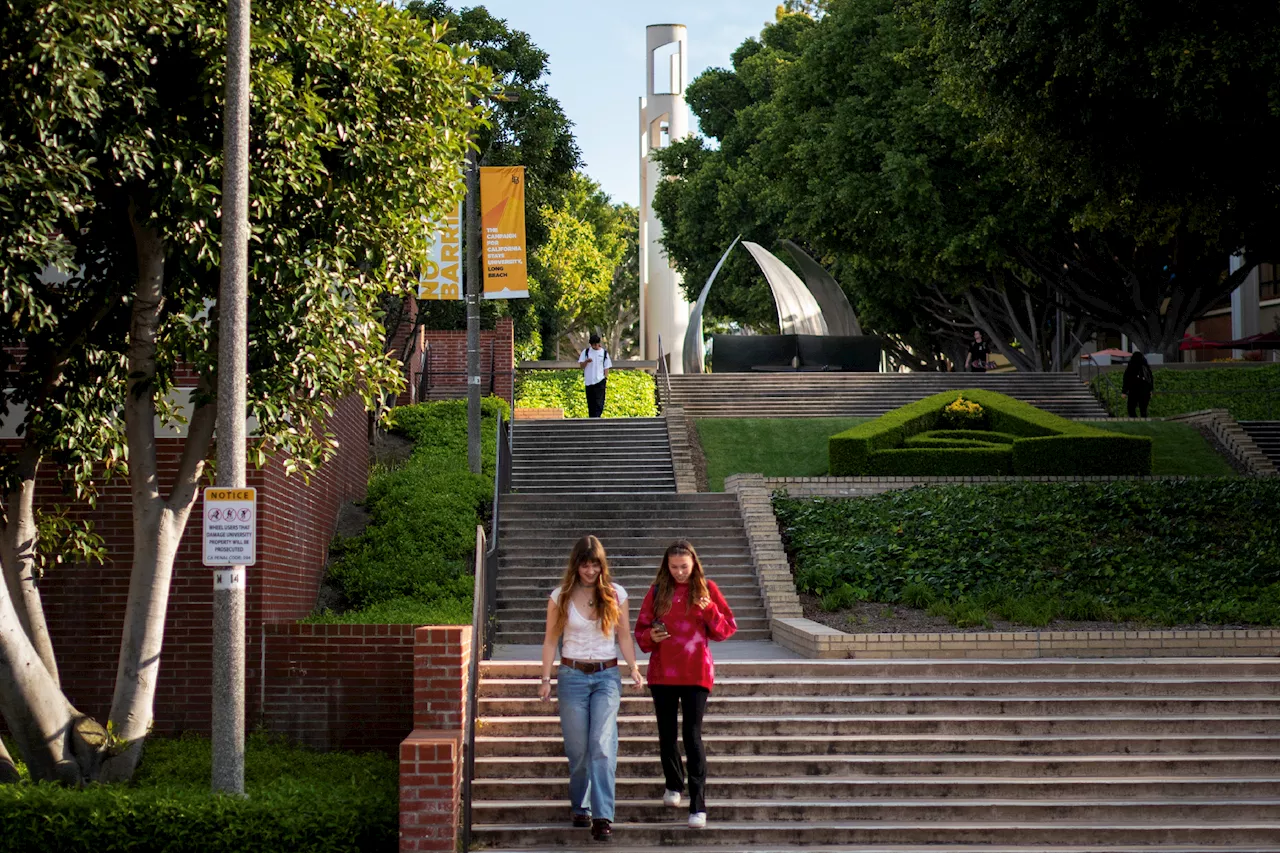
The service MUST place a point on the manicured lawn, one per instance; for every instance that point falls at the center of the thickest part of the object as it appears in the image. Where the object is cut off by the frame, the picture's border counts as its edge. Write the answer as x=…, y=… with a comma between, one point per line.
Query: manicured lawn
x=1176, y=449
x=775, y=447
x=797, y=447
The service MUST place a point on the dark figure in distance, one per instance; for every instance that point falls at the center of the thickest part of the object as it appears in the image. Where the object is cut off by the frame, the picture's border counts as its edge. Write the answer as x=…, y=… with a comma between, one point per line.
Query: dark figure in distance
x=1138, y=384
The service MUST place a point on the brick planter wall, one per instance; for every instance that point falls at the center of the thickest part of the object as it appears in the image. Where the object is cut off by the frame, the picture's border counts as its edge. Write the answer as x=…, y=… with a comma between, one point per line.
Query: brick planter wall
x=448, y=362
x=431, y=756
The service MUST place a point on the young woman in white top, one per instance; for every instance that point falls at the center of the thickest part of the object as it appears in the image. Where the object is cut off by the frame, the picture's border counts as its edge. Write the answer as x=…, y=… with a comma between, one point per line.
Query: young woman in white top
x=589, y=616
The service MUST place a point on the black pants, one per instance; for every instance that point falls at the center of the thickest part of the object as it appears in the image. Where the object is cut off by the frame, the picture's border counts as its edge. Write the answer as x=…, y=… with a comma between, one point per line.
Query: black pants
x=666, y=701
x=1138, y=401
x=595, y=399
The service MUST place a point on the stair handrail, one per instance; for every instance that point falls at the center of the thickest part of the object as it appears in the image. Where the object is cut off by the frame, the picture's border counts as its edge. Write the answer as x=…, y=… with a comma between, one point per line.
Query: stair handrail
x=483, y=607
x=664, y=378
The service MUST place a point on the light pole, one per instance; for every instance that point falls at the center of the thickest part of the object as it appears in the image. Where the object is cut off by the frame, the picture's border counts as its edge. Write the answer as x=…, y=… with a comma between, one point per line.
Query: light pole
x=229, y=582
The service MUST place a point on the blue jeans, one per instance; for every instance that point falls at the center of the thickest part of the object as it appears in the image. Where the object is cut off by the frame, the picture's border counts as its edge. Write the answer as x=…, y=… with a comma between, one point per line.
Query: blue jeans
x=589, y=721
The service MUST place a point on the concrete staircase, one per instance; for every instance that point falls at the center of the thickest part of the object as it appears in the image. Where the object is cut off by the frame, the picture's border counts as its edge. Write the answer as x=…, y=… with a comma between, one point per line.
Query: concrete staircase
x=1266, y=435
x=591, y=455
x=895, y=756
x=780, y=395
x=537, y=531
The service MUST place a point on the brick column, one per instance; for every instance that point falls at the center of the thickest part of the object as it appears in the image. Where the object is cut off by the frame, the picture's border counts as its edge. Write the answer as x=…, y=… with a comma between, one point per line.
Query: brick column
x=431, y=757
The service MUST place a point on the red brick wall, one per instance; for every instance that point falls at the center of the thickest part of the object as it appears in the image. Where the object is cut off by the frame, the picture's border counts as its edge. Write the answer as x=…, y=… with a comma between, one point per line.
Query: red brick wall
x=431, y=757
x=85, y=604
x=448, y=363
x=336, y=686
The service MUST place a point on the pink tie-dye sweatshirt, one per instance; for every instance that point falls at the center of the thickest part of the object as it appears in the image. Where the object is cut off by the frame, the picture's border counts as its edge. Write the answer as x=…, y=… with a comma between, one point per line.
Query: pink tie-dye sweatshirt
x=685, y=656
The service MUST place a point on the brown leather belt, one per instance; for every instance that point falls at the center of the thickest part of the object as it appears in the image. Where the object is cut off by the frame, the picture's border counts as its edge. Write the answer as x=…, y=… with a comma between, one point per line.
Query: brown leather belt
x=589, y=666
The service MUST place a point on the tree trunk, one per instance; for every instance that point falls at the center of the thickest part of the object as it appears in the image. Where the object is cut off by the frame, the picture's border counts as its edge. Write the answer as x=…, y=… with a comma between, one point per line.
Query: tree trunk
x=157, y=524
x=18, y=559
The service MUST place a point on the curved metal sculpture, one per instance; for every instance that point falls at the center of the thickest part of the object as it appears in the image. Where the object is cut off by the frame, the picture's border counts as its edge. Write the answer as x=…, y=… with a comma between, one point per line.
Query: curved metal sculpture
x=798, y=311
x=695, y=353
x=836, y=309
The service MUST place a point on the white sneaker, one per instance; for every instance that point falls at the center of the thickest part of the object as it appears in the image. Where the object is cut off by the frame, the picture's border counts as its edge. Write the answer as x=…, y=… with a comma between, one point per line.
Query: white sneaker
x=697, y=820
x=671, y=798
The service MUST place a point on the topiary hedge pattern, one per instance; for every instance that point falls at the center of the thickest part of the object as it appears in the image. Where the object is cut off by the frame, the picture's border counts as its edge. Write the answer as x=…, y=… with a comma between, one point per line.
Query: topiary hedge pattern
x=630, y=393
x=1043, y=443
x=299, y=801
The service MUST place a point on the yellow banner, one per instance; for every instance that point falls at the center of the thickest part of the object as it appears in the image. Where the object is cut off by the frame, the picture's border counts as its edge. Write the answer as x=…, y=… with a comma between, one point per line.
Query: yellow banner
x=442, y=271
x=502, y=224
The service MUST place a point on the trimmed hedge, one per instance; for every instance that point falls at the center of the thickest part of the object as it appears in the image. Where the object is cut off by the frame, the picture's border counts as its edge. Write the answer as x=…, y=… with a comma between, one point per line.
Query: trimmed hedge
x=299, y=801
x=630, y=393
x=1248, y=393
x=1043, y=443
x=1170, y=552
x=412, y=562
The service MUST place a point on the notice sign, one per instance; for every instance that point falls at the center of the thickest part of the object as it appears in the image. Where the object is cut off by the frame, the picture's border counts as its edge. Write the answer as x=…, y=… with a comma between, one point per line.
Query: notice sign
x=230, y=517
x=502, y=221
x=442, y=271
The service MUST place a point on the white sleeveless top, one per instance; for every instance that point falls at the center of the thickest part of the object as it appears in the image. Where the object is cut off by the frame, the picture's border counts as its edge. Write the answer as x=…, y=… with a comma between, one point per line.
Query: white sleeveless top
x=582, y=638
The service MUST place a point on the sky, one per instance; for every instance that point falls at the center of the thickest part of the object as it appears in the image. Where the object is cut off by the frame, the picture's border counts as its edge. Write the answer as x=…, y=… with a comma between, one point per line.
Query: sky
x=597, y=65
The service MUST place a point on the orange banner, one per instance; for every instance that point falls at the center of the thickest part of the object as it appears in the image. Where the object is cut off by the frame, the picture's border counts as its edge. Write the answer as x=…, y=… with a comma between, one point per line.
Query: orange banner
x=502, y=223
x=442, y=271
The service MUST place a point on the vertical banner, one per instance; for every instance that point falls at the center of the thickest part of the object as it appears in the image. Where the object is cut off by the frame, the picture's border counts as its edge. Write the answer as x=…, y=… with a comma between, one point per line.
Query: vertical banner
x=502, y=221
x=442, y=271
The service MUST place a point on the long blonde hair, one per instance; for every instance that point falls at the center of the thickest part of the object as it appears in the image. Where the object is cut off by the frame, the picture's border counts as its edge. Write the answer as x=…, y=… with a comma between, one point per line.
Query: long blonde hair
x=587, y=550
x=665, y=585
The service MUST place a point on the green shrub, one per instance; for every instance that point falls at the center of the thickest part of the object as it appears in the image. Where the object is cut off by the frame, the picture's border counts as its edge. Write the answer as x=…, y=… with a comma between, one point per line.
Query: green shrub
x=1167, y=552
x=299, y=800
x=421, y=535
x=1043, y=443
x=630, y=393
x=1248, y=393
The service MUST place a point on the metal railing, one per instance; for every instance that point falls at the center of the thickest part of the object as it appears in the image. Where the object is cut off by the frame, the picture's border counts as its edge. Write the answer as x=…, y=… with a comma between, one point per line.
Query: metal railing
x=664, y=379
x=483, y=609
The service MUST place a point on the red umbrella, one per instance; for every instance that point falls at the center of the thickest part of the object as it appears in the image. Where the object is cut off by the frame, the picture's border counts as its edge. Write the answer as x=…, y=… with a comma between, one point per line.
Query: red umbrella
x=1199, y=342
x=1266, y=340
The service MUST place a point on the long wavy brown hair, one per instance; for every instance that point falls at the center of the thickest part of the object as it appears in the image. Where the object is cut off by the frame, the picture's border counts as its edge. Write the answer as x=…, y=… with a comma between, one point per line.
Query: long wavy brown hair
x=665, y=585
x=587, y=550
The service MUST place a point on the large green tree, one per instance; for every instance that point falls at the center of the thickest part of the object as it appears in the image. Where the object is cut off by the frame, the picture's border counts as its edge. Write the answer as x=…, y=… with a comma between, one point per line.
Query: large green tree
x=528, y=128
x=110, y=176
x=1151, y=125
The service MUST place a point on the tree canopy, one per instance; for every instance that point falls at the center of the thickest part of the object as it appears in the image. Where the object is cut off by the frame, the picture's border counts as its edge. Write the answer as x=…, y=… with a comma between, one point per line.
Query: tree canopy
x=110, y=182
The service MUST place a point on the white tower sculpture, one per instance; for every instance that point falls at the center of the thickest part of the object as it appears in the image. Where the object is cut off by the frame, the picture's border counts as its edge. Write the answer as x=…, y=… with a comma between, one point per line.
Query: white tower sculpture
x=664, y=117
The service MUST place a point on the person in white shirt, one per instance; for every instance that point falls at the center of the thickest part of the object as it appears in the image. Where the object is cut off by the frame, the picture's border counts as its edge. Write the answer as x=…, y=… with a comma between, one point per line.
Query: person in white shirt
x=596, y=365
x=589, y=617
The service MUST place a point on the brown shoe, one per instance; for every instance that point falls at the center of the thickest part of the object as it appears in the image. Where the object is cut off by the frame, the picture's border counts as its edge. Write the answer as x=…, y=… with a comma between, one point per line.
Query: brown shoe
x=601, y=830
x=581, y=819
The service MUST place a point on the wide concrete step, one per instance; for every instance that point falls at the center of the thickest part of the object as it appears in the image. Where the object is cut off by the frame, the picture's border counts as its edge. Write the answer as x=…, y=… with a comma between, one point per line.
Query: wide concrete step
x=1057, y=688
x=750, y=835
x=923, y=705
x=710, y=545
x=534, y=606
x=703, y=502
x=636, y=528
x=903, y=787
x=529, y=637
x=535, y=627
x=805, y=746
x=1244, y=669
x=1008, y=766
x=923, y=810
x=546, y=726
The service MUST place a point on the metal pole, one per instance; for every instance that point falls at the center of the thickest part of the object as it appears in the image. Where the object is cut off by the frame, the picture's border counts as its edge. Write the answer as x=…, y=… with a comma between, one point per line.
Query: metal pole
x=229, y=581
x=473, y=312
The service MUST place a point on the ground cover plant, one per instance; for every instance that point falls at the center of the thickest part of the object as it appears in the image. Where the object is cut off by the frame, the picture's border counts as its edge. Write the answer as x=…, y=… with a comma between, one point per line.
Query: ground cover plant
x=1169, y=552
x=299, y=801
x=412, y=563
x=1248, y=393
x=1043, y=443
x=1177, y=450
x=775, y=447
x=630, y=393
